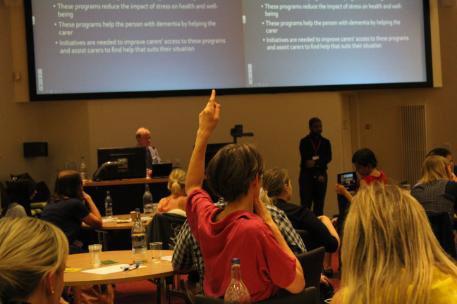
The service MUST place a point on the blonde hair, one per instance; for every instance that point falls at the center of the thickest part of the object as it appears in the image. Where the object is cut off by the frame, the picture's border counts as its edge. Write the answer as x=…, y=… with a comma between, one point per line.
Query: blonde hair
x=389, y=251
x=434, y=168
x=177, y=181
x=30, y=249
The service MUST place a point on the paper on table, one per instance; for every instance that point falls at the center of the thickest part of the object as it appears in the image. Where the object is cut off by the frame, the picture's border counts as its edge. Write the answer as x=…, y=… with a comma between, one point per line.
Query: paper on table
x=109, y=219
x=166, y=258
x=109, y=269
x=123, y=221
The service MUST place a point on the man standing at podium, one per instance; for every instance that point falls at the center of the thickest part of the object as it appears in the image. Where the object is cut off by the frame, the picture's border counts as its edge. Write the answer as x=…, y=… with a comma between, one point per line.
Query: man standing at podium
x=316, y=153
x=143, y=139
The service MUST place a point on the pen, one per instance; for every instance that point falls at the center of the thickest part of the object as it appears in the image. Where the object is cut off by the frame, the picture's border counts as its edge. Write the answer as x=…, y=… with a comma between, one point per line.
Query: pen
x=131, y=267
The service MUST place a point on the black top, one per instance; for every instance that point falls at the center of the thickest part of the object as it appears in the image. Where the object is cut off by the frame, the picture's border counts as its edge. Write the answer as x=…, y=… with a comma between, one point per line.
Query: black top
x=315, y=146
x=67, y=215
x=303, y=218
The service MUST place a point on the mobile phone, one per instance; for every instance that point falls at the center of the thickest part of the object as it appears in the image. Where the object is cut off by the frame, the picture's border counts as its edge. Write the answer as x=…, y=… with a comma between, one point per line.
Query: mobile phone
x=348, y=180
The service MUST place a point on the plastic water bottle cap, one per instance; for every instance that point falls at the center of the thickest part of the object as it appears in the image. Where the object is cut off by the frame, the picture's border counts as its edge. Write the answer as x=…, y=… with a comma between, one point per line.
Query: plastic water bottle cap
x=235, y=261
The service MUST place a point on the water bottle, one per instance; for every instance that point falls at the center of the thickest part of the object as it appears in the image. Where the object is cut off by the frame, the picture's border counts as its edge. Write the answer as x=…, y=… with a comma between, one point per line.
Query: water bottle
x=138, y=240
x=147, y=201
x=236, y=292
x=83, y=169
x=108, y=205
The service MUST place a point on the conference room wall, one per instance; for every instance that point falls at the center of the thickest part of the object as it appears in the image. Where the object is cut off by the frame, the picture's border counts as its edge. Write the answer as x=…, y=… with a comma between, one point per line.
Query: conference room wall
x=63, y=126
x=77, y=128
x=278, y=122
x=375, y=115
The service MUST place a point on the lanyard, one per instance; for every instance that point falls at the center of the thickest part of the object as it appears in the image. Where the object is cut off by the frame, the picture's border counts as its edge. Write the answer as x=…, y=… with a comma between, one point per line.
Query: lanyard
x=315, y=146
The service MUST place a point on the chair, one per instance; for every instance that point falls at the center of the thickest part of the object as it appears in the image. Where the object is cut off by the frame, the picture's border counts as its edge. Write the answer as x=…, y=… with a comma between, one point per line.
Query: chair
x=311, y=262
x=305, y=236
x=37, y=208
x=308, y=296
x=442, y=227
x=165, y=228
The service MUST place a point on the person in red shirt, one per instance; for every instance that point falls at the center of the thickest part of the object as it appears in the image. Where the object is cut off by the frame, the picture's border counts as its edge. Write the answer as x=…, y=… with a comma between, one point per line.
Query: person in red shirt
x=244, y=229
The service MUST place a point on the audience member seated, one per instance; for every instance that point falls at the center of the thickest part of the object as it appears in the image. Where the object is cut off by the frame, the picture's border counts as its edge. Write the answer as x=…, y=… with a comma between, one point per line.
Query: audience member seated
x=365, y=163
x=436, y=191
x=187, y=256
x=32, y=261
x=19, y=192
x=176, y=185
x=244, y=229
x=390, y=254
x=279, y=188
x=446, y=153
x=70, y=207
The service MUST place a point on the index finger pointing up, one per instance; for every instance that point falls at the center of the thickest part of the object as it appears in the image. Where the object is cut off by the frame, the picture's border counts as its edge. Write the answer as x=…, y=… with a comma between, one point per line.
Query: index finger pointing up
x=213, y=96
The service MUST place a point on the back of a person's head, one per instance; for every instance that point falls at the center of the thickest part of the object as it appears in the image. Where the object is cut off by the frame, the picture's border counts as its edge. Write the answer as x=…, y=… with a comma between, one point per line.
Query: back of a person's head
x=274, y=180
x=389, y=248
x=434, y=168
x=312, y=121
x=20, y=189
x=68, y=185
x=30, y=250
x=141, y=131
x=232, y=170
x=444, y=152
x=177, y=181
x=364, y=157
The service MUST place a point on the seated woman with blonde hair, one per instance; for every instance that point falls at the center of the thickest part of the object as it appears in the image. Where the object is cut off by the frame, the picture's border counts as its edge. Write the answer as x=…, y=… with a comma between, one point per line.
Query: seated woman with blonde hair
x=33, y=254
x=176, y=185
x=436, y=190
x=390, y=254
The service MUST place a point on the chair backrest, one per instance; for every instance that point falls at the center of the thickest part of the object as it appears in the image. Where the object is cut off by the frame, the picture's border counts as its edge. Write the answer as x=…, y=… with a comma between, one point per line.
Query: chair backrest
x=442, y=228
x=311, y=262
x=305, y=236
x=308, y=296
x=165, y=228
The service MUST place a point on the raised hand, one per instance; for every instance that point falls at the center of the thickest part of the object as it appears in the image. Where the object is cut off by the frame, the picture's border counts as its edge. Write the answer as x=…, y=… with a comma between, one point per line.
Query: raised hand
x=209, y=116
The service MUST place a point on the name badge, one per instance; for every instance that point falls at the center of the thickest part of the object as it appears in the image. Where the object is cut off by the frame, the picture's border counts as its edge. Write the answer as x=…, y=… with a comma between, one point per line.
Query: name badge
x=315, y=157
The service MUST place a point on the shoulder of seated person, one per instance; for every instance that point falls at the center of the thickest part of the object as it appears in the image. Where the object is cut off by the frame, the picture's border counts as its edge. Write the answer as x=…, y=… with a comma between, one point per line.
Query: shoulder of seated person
x=251, y=223
x=74, y=200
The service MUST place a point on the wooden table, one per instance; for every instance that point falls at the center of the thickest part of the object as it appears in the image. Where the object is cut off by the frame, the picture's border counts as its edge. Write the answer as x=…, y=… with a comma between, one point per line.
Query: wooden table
x=110, y=227
x=114, y=225
x=160, y=270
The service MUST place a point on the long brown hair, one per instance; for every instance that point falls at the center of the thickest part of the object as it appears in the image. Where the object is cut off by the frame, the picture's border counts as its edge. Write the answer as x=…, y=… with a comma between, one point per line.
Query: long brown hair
x=68, y=185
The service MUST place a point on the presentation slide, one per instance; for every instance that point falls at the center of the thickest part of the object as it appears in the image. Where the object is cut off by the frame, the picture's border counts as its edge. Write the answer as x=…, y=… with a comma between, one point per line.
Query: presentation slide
x=103, y=46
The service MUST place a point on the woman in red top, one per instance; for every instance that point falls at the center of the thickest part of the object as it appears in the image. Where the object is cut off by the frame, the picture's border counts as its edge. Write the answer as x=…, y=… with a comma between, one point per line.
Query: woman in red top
x=365, y=164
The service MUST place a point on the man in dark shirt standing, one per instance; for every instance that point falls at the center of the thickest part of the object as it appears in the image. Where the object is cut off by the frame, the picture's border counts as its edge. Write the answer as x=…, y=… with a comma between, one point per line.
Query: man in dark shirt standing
x=316, y=153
